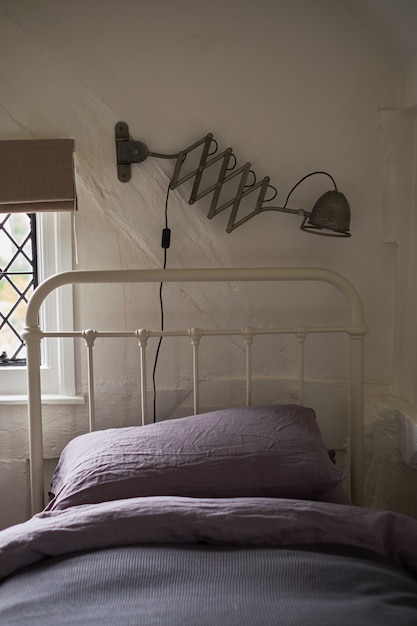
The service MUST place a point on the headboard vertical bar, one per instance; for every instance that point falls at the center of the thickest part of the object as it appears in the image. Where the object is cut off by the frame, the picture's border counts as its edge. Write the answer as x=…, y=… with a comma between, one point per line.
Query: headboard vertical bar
x=301, y=336
x=91, y=403
x=195, y=334
x=248, y=334
x=142, y=336
x=89, y=337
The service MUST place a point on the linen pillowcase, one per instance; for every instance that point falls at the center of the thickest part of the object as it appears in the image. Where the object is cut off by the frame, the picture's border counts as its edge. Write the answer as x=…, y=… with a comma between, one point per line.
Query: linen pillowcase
x=264, y=451
x=337, y=495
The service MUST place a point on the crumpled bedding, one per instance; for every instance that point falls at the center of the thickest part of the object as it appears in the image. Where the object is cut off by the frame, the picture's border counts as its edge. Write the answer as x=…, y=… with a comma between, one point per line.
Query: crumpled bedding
x=221, y=521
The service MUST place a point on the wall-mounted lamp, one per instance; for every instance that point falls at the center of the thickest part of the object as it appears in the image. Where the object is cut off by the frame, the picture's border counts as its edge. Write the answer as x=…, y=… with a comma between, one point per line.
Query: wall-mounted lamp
x=329, y=216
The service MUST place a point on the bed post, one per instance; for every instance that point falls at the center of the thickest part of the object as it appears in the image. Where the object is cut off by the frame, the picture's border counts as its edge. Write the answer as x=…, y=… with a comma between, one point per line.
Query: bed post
x=32, y=337
x=356, y=444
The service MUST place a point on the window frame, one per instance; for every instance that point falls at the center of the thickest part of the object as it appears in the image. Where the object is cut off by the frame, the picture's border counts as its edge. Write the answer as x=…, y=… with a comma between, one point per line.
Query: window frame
x=54, y=254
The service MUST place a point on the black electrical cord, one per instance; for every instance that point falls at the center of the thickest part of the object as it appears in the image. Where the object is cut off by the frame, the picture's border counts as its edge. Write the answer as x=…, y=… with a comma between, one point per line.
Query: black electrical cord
x=303, y=179
x=165, y=243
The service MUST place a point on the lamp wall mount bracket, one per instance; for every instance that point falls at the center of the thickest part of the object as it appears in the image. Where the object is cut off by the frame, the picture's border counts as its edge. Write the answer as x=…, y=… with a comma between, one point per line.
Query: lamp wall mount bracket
x=128, y=151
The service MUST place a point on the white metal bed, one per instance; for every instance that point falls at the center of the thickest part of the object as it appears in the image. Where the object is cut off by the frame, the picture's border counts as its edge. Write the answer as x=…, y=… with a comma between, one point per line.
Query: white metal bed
x=356, y=329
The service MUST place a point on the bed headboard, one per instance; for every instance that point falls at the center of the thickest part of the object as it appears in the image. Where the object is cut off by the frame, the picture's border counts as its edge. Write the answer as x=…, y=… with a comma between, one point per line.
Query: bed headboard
x=356, y=329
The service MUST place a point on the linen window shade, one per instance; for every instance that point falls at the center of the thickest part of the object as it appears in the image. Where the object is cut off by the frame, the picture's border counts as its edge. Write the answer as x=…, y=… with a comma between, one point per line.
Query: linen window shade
x=37, y=175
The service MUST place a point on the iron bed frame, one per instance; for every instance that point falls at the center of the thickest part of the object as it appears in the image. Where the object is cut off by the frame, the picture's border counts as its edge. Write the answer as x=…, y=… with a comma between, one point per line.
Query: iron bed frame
x=356, y=329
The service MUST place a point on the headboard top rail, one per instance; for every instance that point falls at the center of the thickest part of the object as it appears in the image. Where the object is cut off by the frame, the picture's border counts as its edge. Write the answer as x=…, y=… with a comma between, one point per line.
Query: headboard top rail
x=199, y=275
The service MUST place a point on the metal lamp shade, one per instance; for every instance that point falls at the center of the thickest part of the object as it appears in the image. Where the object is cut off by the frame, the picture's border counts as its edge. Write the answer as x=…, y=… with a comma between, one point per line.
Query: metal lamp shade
x=330, y=213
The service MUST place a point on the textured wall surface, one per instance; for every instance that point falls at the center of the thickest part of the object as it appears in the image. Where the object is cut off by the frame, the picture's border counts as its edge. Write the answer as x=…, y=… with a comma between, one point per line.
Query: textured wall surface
x=292, y=87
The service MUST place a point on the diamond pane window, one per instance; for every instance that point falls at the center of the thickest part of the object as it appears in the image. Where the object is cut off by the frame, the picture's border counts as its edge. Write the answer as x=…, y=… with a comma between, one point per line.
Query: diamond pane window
x=18, y=278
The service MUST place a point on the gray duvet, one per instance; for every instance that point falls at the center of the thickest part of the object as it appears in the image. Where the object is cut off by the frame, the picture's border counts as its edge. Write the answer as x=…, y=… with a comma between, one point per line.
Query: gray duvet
x=182, y=561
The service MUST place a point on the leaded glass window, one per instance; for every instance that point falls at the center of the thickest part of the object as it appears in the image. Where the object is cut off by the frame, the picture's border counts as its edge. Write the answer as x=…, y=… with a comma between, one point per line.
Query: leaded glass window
x=18, y=278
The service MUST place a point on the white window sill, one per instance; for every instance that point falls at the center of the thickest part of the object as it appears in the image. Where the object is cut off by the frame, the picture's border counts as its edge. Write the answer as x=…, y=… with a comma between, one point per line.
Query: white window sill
x=46, y=399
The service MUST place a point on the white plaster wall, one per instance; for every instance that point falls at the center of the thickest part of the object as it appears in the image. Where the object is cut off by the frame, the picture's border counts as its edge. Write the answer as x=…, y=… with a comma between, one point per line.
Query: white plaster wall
x=291, y=86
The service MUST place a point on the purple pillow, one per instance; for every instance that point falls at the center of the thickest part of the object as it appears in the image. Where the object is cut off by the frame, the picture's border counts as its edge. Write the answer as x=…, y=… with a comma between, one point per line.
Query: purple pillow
x=266, y=451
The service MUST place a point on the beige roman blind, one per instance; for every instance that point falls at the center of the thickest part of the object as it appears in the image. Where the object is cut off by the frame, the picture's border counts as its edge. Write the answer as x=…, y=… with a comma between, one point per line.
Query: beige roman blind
x=37, y=175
